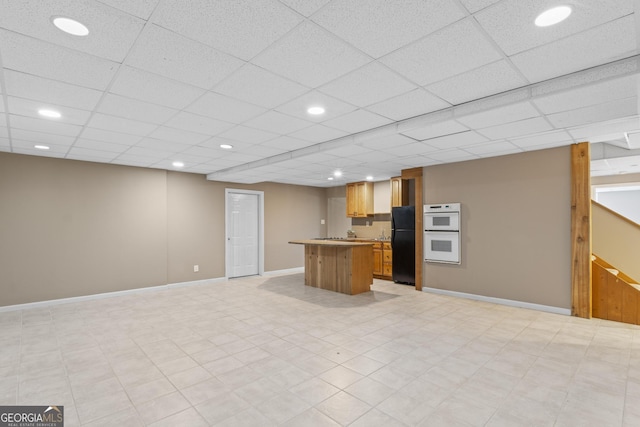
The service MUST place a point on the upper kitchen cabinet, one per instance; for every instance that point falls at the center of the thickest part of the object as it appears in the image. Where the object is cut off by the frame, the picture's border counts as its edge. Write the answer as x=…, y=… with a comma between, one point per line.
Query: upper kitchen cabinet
x=399, y=192
x=359, y=199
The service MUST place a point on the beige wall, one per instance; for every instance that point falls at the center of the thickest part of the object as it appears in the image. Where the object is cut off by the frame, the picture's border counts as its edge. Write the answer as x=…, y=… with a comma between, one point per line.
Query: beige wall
x=615, y=240
x=515, y=226
x=70, y=228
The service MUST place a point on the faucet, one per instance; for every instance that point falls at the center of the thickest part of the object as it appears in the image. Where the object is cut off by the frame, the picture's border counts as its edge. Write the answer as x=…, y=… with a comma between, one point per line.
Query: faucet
x=383, y=237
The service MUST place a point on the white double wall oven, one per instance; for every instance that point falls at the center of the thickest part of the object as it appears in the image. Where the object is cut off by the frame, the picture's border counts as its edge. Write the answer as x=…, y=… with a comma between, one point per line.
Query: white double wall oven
x=442, y=233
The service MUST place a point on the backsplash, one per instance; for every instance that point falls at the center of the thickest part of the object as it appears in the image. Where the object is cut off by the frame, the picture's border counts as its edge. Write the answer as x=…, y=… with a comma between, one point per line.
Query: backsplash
x=372, y=227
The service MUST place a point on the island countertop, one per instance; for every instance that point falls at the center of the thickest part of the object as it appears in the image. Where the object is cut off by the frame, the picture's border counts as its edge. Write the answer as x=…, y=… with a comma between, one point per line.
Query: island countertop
x=330, y=242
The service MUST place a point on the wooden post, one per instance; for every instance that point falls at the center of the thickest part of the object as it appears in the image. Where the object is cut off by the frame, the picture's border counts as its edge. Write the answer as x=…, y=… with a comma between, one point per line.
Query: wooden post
x=581, y=305
x=416, y=175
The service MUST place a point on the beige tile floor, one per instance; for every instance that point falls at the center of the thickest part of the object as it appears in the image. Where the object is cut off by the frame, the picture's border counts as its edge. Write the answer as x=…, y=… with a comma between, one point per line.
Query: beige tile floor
x=265, y=351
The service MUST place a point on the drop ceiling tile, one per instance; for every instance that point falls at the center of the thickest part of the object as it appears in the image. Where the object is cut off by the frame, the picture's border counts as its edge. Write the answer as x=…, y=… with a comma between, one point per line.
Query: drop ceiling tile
x=148, y=153
x=197, y=123
x=259, y=87
x=286, y=143
x=349, y=150
x=416, y=161
x=51, y=91
x=41, y=137
x=436, y=129
x=179, y=58
x=100, y=145
x=357, y=121
x=177, y=135
x=410, y=104
x=498, y=116
x=595, y=113
x=277, y=123
x=413, y=149
x=511, y=22
x=456, y=140
x=149, y=87
x=318, y=133
x=44, y=125
x=541, y=139
x=242, y=28
x=131, y=160
x=501, y=147
x=26, y=107
x=216, y=141
x=333, y=107
x=119, y=106
x=368, y=85
x=476, y=5
x=162, y=145
x=4, y=144
x=599, y=45
x=484, y=81
x=40, y=153
x=453, y=50
x=120, y=125
x=78, y=153
x=29, y=145
x=39, y=58
x=108, y=136
x=618, y=127
x=111, y=32
x=598, y=93
x=139, y=8
x=305, y=7
x=248, y=135
x=263, y=150
x=549, y=145
x=311, y=56
x=380, y=26
x=395, y=141
x=515, y=129
x=205, y=152
x=452, y=155
x=224, y=108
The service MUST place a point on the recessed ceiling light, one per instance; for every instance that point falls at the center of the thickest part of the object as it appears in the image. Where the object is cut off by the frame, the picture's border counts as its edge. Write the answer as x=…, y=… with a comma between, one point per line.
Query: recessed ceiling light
x=70, y=26
x=178, y=164
x=315, y=110
x=226, y=146
x=553, y=16
x=41, y=147
x=330, y=178
x=369, y=178
x=337, y=174
x=49, y=113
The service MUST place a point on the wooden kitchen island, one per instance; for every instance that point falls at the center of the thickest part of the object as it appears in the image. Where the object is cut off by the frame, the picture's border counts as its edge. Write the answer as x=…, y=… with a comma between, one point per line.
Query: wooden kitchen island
x=338, y=266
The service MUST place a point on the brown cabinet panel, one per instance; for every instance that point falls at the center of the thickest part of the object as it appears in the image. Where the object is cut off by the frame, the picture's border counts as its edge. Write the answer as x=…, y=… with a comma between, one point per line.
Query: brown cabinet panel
x=359, y=199
x=377, y=262
x=399, y=192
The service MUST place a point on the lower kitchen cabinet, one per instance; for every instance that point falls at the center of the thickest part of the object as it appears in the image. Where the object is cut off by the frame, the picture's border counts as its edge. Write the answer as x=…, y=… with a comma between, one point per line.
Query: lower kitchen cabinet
x=377, y=259
x=387, y=257
x=382, y=256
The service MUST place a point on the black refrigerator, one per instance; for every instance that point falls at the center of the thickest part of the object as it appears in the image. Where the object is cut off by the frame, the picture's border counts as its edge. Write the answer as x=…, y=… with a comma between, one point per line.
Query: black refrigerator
x=403, y=243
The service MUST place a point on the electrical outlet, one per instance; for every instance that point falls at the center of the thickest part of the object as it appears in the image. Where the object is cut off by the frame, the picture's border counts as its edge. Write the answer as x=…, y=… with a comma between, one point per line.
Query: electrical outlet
x=196, y=268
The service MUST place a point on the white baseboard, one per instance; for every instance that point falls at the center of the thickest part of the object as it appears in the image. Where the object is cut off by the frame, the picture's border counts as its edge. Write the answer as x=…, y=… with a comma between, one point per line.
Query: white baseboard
x=42, y=304
x=512, y=303
x=286, y=271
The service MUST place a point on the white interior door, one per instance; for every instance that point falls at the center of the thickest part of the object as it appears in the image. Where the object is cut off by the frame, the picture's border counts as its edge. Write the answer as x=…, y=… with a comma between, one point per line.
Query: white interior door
x=244, y=233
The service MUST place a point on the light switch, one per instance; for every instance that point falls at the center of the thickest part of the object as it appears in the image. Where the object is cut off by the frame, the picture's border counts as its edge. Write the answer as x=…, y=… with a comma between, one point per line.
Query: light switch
x=322, y=222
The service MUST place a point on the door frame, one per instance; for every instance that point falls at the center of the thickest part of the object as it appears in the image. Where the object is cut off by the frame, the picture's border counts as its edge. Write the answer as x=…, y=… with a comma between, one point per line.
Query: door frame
x=227, y=250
